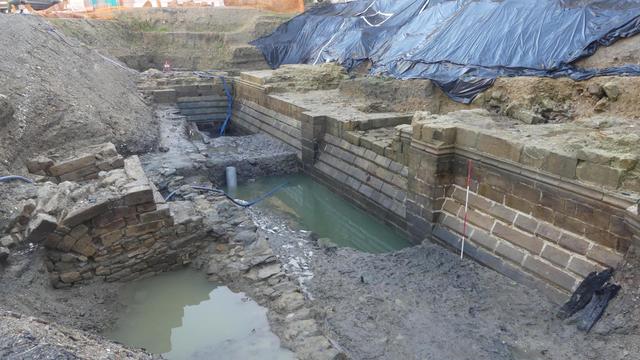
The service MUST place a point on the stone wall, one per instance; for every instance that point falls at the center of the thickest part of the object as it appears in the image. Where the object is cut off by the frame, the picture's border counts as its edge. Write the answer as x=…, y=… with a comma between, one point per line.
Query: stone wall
x=253, y=118
x=113, y=226
x=126, y=232
x=541, y=212
x=532, y=225
x=375, y=182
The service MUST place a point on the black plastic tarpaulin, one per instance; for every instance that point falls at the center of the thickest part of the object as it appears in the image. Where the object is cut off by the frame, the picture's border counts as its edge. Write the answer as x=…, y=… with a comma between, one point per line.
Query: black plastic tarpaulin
x=462, y=45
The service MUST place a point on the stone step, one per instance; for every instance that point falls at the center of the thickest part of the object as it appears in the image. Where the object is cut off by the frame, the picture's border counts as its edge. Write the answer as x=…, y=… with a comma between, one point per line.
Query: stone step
x=206, y=118
x=202, y=104
x=191, y=99
x=204, y=111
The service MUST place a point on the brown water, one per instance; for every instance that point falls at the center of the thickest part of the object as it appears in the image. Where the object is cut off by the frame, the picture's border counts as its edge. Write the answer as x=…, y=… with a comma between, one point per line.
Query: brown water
x=181, y=315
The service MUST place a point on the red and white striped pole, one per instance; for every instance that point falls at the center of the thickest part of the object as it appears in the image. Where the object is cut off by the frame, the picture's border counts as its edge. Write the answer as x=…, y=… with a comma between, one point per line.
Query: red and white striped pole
x=466, y=209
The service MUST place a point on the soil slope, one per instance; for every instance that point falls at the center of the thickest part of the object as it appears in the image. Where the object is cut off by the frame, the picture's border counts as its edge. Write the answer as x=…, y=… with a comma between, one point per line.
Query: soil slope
x=64, y=95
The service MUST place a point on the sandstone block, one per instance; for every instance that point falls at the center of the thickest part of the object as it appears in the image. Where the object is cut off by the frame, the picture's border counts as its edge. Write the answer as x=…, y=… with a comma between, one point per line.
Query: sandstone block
x=84, y=246
x=145, y=228
x=604, y=256
x=72, y=165
x=484, y=239
x=612, y=91
x=524, y=240
x=555, y=255
x=510, y=252
x=109, y=238
x=39, y=164
x=85, y=213
x=40, y=227
x=70, y=277
x=80, y=174
x=574, y=243
x=583, y=267
x=499, y=147
x=550, y=272
x=600, y=174
x=561, y=165
x=138, y=195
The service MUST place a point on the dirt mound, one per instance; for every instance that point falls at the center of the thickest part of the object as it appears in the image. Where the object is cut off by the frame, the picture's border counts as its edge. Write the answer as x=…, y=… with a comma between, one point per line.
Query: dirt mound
x=64, y=95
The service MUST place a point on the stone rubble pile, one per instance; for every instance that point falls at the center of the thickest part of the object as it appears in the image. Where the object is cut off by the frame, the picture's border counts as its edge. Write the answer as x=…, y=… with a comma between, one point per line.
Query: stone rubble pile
x=249, y=257
x=82, y=166
x=115, y=227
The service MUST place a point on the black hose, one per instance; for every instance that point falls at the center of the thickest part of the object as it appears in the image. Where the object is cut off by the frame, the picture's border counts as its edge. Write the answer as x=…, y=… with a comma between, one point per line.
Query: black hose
x=244, y=204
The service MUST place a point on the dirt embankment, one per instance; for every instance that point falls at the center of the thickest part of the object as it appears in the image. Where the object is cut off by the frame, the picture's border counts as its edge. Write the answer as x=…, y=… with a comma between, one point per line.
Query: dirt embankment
x=64, y=95
x=187, y=38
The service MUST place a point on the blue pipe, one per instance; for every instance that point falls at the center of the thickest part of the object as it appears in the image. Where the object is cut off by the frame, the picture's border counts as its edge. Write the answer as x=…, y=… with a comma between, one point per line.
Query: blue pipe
x=227, y=92
x=15, y=177
x=170, y=195
x=223, y=129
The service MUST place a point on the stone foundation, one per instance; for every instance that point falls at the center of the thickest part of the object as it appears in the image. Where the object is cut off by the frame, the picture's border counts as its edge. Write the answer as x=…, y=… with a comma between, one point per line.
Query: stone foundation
x=541, y=214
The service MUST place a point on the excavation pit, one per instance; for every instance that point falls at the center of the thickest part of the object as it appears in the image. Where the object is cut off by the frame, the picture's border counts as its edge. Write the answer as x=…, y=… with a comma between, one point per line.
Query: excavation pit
x=182, y=315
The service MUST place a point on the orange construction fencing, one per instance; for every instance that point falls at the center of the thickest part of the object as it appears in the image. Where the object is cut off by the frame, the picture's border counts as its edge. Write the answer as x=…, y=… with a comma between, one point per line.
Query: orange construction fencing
x=285, y=6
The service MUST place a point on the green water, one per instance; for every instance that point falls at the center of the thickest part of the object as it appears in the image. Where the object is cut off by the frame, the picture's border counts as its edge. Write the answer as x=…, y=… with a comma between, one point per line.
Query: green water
x=183, y=316
x=313, y=206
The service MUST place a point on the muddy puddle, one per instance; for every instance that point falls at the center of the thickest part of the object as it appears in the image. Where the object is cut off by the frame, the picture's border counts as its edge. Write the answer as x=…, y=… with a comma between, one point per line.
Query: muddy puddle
x=312, y=206
x=181, y=315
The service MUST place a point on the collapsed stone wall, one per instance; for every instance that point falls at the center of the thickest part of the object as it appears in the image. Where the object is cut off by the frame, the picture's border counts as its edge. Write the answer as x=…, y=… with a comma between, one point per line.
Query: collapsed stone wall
x=115, y=226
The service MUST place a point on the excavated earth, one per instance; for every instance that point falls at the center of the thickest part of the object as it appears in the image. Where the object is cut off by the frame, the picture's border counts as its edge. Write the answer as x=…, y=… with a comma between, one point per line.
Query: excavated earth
x=64, y=95
x=418, y=303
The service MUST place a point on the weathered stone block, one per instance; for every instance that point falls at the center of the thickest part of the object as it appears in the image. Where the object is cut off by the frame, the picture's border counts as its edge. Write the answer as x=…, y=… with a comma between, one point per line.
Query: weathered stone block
x=138, y=195
x=549, y=272
x=499, y=147
x=524, y=240
x=84, y=246
x=80, y=174
x=561, y=165
x=484, y=239
x=604, y=256
x=526, y=223
x=72, y=165
x=83, y=214
x=574, y=243
x=583, y=267
x=136, y=230
x=39, y=164
x=479, y=219
x=600, y=174
x=510, y=252
x=70, y=277
x=503, y=213
x=534, y=156
x=555, y=255
x=40, y=227
x=109, y=239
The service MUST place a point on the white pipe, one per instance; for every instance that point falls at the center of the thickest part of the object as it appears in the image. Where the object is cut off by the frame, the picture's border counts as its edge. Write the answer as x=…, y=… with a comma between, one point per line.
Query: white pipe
x=232, y=179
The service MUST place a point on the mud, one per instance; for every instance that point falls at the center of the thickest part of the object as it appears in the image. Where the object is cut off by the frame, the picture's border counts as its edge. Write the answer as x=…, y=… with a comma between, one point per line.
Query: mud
x=423, y=302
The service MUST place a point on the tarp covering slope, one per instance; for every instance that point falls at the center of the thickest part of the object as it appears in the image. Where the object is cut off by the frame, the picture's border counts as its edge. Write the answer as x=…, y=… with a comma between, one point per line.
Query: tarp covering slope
x=462, y=45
